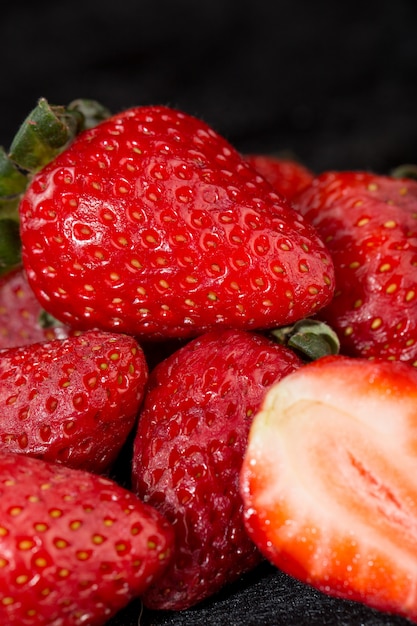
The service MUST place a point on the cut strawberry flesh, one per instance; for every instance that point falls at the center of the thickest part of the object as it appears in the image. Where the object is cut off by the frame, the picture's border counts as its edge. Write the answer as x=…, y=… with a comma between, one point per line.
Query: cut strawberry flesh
x=329, y=481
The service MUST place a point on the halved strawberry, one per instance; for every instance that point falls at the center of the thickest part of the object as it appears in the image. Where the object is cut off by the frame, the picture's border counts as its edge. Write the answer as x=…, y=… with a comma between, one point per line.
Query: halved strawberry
x=328, y=480
x=74, y=547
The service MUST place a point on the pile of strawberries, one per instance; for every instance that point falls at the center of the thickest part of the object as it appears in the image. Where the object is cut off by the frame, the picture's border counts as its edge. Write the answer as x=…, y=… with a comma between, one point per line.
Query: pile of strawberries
x=240, y=333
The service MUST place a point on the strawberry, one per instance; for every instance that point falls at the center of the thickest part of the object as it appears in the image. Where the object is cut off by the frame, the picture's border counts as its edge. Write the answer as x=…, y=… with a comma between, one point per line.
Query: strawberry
x=368, y=223
x=72, y=401
x=188, y=450
x=286, y=175
x=150, y=223
x=22, y=319
x=75, y=547
x=328, y=480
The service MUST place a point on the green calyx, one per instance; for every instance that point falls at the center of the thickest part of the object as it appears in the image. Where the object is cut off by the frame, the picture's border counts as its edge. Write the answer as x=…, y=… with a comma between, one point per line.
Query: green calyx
x=312, y=339
x=44, y=134
x=406, y=170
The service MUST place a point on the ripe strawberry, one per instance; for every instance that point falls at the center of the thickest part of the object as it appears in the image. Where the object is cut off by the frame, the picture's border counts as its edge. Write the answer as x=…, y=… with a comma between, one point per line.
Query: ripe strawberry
x=286, y=175
x=22, y=319
x=328, y=480
x=152, y=224
x=188, y=450
x=369, y=225
x=75, y=547
x=72, y=401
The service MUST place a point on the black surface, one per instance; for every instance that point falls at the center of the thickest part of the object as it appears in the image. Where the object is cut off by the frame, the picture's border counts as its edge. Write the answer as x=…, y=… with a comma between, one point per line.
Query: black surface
x=334, y=83
x=264, y=598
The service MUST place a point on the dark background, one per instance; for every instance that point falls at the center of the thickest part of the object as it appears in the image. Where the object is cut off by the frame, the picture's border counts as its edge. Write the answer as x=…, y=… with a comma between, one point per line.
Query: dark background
x=332, y=83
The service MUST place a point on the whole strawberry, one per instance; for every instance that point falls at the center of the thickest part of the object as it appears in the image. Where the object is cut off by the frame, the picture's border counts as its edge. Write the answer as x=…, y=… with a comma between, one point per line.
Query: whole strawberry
x=286, y=175
x=72, y=401
x=152, y=224
x=188, y=450
x=22, y=319
x=369, y=225
x=74, y=547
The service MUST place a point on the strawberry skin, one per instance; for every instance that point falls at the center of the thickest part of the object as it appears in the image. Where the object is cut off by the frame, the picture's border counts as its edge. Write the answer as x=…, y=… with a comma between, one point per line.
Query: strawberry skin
x=72, y=401
x=75, y=547
x=328, y=480
x=287, y=176
x=22, y=318
x=368, y=223
x=188, y=450
x=152, y=224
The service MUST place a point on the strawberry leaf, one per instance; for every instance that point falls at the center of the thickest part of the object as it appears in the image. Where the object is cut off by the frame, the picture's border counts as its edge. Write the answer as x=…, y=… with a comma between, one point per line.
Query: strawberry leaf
x=10, y=246
x=311, y=338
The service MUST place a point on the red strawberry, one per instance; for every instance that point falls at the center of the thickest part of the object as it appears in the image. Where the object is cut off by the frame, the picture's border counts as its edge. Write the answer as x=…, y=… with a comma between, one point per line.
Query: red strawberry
x=286, y=175
x=328, y=480
x=22, y=319
x=152, y=224
x=188, y=450
x=72, y=401
x=74, y=547
x=369, y=225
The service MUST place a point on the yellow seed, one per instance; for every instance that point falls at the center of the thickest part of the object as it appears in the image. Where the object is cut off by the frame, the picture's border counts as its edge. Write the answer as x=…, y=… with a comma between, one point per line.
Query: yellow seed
x=376, y=323
x=363, y=221
x=391, y=288
x=97, y=539
x=390, y=224
x=410, y=295
x=15, y=510
x=40, y=527
x=22, y=579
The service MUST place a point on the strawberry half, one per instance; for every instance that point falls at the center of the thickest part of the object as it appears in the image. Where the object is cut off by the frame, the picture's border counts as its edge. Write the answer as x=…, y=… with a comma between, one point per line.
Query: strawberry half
x=22, y=319
x=188, y=450
x=328, y=480
x=72, y=401
x=152, y=224
x=369, y=225
x=74, y=547
x=286, y=175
